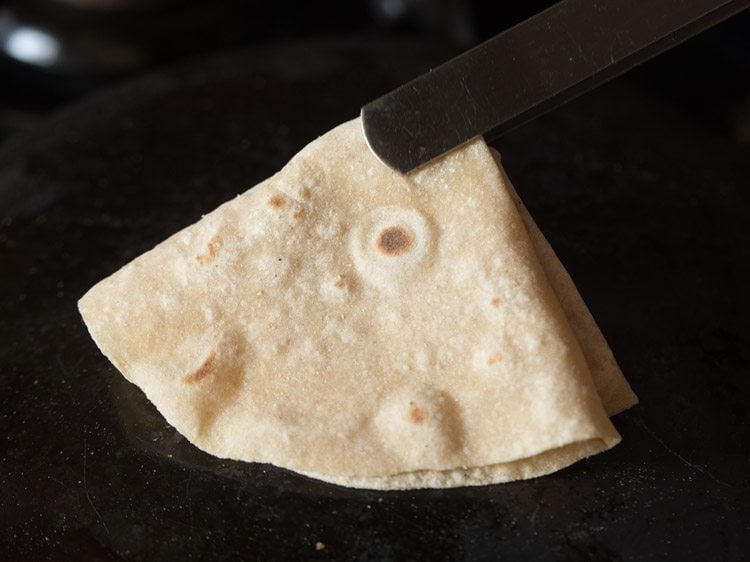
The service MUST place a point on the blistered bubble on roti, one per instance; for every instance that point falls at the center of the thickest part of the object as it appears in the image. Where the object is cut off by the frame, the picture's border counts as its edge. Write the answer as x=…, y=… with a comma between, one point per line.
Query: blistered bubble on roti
x=390, y=244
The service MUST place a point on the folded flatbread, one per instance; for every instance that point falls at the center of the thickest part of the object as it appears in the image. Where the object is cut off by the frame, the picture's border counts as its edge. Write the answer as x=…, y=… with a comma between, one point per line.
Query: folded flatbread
x=367, y=328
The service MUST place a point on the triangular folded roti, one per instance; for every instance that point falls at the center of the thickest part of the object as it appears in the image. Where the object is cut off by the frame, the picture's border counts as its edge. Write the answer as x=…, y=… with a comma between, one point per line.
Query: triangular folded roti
x=366, y=328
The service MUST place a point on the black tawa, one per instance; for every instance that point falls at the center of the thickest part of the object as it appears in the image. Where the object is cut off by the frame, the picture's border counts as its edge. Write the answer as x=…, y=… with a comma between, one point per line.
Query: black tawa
x=645, y=208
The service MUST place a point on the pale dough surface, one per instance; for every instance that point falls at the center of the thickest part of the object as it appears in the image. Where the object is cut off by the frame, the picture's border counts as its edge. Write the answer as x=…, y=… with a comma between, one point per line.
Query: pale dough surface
x=367, y=328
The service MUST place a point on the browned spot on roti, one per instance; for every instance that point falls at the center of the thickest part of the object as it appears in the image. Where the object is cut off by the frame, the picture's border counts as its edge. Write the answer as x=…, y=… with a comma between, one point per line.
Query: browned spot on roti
x=495, y=302
x=282, y=346
x=340, y=283
x=297, y=214
x=201, y=372
x=305, y=192
x=417, y=414
x=212, y=249
x=394, y=241
x=494, y=358
x=276, y=202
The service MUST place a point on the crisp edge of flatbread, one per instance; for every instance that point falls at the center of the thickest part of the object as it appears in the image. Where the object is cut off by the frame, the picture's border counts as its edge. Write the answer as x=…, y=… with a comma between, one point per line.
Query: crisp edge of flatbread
x=611, y=385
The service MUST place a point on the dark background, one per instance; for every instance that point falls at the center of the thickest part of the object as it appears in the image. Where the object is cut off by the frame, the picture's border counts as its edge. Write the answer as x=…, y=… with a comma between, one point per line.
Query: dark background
x=104, y=40
x=146, y=118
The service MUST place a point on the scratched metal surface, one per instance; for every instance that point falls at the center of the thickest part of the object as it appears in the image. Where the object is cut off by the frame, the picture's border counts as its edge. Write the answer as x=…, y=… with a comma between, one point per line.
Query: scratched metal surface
x=646, y=210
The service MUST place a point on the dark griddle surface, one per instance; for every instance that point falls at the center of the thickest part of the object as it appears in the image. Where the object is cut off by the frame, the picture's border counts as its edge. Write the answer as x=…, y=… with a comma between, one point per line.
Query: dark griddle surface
x=646, y=211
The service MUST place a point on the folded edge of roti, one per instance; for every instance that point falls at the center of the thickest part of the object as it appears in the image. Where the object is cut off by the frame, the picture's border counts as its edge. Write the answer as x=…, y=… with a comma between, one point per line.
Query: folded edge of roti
x=611, y=385
x=359, y=326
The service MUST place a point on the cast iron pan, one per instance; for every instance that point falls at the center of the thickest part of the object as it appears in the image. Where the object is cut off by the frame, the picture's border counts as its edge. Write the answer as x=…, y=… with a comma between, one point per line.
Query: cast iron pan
x=644, y=209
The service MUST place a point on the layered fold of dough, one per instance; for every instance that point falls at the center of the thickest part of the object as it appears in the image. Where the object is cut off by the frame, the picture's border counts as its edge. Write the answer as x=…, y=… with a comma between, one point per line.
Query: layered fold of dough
x=367, y=328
